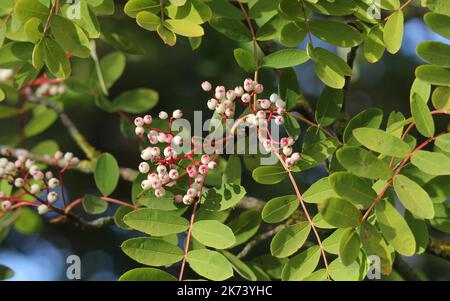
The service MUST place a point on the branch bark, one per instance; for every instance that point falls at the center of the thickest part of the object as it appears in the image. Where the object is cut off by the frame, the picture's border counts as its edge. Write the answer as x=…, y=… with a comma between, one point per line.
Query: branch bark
x=85, y=166
x=439, y=248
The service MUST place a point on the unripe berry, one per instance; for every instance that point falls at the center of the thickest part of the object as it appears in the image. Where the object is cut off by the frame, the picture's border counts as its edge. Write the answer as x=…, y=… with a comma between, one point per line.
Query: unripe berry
x=231, y=95
x=161, y=169
x=219, y=95
x=279, y=120
x=173, y=174
x=146, y=154
x=163, y=115
x=177, y=140
x=3, y=162
x=144, y=167
x=280, y=103
x=6, y=205
x=291, y=141
x=53, y=183
x=227, y=104
x=68, y=156
x=39, y=175
x=19, y=182
x=239, y=91
x=281, y=111
x=191, y=192
x=187, y=200
x=161, y=137
x=146, y=185
x=42, y=209
x=35, y=189
x=52, y=197
x=229, y=113
x=259, y=88
x=178, y=198
x=261, y=114
x=246, y=98
x=284, y=142
x=177, y=114
x=199, y=180
x=139, y=131
x=160, y=192
x=212, y=165
x=155, y=151
x=148, y=119
x=295, y=157
x=289, y=162
x=203, y=169
x=264, y=103
x=274, y=97
x=212, y=104
x=248, y=84
x=287, y=151
x=205, y=159
x=59, y=155
x=206, y=86
x=138, y=122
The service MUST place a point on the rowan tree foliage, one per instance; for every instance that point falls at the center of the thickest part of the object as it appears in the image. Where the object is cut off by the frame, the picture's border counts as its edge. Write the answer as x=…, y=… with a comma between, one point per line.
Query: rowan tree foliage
x=388, y=175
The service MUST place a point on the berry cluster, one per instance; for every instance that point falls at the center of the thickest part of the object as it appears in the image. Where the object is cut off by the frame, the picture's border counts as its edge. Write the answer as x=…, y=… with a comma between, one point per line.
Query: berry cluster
x=26, y=175
x=162, y=163
x=262, y=111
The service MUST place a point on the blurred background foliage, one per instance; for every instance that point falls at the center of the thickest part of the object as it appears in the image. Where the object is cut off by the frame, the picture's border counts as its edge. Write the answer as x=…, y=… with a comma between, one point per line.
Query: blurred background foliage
x=176, y=73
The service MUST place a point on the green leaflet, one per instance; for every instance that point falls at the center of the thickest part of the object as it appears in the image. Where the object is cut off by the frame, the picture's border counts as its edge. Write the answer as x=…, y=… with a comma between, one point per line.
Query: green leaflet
x=146, y=274
x=329, y=106
x=352, y=188
x=210, y=264
x=413, y=197
x=381, y=142
x=284, y=58
x=349, y=247
x=269, y=174
x=438, y=23
x=239, y=266
x=94, y=205
x=363, y=163
x=422, y=116
x=340, y=213
x=245, y=59
x=289, y=240
x=340, y=272
x=245, y=225
x=431, y=162
x=152, y=251
x=393, y=32
x=336, y=33
x=435, y=53
x=370, y=118
x=301, y=265
x=106, y=174
x=319, y=192
x=395, y=229
x=374, y=45
x=280, y=208
x=213, y=234
x=225, y=197
x=434, y=75
x=156, y=222
x=373, y=243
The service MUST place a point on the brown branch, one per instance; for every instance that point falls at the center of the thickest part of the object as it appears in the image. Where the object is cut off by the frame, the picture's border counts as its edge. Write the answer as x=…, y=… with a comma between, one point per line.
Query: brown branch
x=439, y=248
x=85, y=166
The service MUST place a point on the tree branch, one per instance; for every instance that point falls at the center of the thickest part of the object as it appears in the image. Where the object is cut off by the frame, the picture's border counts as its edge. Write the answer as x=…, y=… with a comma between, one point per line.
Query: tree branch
x=89, y=150
x=85, y=166
x=439, y=248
